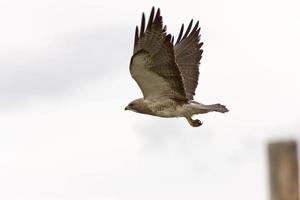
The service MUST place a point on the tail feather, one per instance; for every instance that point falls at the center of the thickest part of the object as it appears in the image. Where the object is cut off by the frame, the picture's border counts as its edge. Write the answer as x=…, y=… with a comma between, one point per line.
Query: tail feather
x=218, y=108
x=199, y=108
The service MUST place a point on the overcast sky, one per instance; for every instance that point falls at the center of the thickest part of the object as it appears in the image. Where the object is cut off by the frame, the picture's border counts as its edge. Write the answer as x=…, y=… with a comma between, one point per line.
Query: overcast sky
x=64, y=83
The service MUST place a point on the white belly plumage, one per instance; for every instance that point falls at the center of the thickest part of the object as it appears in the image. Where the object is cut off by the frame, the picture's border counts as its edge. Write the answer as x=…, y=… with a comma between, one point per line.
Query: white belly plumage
x=170, y=108
x=169, y=112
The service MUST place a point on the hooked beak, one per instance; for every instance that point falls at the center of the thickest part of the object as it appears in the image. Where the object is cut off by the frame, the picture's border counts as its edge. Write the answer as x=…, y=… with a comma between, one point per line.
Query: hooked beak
x=126, y=108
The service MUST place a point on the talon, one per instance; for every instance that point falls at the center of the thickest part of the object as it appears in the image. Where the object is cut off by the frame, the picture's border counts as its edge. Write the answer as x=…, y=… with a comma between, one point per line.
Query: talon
x=194, y=123
x=197, y=123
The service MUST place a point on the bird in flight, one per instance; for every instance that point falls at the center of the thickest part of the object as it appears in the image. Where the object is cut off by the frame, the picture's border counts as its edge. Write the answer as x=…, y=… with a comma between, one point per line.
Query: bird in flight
x=167, y=72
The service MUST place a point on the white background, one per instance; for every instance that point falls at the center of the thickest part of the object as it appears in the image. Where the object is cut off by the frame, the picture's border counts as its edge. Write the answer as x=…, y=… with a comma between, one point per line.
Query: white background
x=64, y=83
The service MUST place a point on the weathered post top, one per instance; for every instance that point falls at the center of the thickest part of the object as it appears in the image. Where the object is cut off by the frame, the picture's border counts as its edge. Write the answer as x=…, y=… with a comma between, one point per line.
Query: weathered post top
x=283, y=164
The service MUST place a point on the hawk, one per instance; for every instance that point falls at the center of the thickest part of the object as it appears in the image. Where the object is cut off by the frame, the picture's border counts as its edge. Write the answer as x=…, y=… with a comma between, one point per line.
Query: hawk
x=167, y=72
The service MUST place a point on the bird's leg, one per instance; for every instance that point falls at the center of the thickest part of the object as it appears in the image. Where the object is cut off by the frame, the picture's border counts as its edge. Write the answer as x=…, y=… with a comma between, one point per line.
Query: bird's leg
x=194, y=123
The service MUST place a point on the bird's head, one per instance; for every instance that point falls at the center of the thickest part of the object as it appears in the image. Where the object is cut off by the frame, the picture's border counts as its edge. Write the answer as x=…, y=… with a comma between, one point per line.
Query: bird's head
x=136, y=105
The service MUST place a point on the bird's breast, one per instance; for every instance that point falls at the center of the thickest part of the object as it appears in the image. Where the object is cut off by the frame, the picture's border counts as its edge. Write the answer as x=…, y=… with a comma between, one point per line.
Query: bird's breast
x=168, y=108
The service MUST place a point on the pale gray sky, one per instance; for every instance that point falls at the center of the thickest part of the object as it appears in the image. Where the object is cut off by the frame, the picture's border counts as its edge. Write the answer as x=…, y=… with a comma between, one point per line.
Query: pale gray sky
x=64, y=83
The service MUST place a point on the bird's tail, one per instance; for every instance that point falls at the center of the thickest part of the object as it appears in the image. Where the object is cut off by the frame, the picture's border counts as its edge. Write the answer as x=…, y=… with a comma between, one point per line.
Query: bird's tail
x=217, y=108
x=201, y=108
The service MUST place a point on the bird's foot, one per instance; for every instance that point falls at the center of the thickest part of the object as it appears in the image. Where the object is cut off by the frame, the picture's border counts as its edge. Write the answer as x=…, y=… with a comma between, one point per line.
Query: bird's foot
x=194, y=123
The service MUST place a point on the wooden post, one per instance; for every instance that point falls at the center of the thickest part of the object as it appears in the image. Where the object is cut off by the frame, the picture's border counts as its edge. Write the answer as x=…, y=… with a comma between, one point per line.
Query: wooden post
x=283, y=170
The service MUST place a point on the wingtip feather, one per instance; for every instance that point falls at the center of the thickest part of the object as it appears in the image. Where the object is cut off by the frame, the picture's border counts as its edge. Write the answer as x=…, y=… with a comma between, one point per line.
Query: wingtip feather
x=136, y=35
x=142, y=24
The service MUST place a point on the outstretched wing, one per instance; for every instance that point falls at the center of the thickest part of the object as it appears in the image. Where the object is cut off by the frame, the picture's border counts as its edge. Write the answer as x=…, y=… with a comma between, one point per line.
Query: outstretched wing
x=188, y=53
x=153, y=64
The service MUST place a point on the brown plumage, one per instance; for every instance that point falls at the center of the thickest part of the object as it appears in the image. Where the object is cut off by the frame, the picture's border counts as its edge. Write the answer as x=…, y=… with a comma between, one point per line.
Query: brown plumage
x=167, y=74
